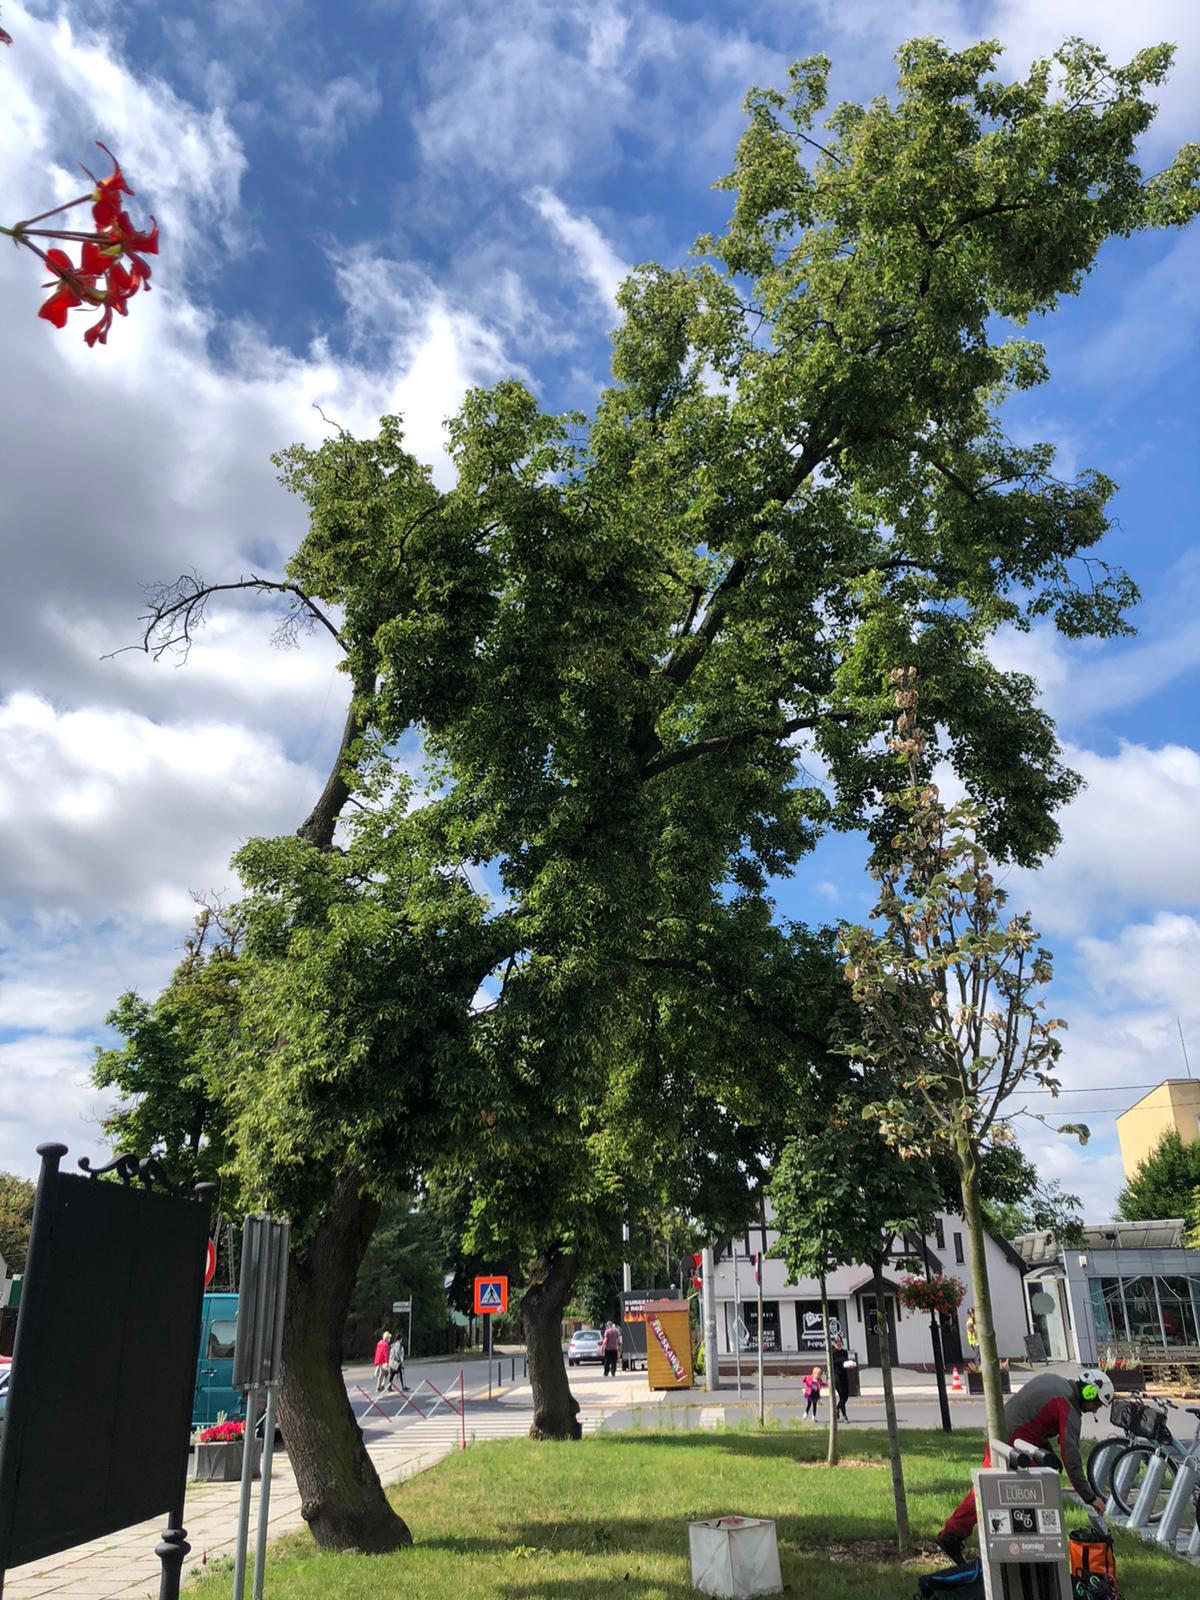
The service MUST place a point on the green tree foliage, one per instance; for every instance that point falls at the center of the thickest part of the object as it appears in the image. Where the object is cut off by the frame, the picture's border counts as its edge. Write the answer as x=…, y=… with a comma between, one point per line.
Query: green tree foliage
x=618, y=638
x=162, y=1070
x=1166, y=1184
x=1046, y=1208
x=16, y=1218
x=404, y=1261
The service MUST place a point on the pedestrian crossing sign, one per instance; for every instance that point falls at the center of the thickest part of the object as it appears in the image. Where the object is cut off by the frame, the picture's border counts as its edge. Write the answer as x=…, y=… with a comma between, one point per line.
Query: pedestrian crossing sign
x=491, y=1295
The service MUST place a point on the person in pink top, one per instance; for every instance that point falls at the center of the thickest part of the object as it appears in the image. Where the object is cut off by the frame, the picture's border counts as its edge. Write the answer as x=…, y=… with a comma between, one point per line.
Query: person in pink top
x=812, y=1392
x=382, y=1352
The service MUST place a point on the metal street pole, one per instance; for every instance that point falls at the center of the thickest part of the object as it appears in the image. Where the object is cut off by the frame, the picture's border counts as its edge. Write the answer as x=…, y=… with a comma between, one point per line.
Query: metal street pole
x=737, y=1322
x=759, y=1342
x=708, y=1291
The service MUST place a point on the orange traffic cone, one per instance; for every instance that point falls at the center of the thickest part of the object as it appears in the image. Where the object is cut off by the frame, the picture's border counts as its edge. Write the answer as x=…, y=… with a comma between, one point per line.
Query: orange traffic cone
x=956, y=1383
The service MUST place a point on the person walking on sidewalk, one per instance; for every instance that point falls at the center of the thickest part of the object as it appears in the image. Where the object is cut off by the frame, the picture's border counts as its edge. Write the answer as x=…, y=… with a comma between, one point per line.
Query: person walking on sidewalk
x=841, y=1377
x=610, y=1346
x=382, y=1354
x=1045, y=1408
x=396, y=1364
x=812, y=1393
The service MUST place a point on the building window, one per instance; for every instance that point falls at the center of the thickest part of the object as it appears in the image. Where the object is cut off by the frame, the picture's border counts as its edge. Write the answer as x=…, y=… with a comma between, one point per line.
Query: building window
x=1141, y=1310
x=811, y=1330
x=1178, y=1313
x=770, y=1325
x=958, y=1247
x=940, y=1232
x=1108, y=1310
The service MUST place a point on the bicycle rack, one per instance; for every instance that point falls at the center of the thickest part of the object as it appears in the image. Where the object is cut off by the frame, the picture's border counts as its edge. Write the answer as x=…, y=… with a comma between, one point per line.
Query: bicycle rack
x=1124, y=1472
x=1139, y=1517
x=1180, y=1503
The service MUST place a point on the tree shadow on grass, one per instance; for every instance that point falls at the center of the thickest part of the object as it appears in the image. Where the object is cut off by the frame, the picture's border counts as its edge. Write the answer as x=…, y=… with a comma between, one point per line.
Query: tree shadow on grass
x=806, y=1447
x=803, y=1533
x=804, y=1572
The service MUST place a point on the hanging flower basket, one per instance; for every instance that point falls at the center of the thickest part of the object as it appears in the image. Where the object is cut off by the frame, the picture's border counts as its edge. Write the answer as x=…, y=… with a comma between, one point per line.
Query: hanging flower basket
x=939, y=1294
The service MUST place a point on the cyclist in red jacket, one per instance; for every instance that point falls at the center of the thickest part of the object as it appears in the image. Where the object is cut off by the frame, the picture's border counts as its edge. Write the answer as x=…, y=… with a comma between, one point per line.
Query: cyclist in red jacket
x=1047, y=1407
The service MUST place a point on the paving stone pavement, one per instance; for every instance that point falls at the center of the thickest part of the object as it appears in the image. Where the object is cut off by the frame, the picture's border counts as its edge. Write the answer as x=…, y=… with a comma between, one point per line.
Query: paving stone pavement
x=125, y=1564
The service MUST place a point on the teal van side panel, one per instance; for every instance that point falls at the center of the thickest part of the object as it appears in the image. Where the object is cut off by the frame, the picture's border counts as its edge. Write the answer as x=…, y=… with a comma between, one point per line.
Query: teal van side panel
x=215, y=1395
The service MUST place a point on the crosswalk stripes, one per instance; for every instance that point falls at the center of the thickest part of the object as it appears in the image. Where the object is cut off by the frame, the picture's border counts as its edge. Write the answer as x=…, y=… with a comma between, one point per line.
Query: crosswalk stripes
x=482, y=1423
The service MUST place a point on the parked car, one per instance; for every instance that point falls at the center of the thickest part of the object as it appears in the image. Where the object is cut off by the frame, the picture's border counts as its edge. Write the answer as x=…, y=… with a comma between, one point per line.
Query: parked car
x=5, y=1370
x=584, y=1346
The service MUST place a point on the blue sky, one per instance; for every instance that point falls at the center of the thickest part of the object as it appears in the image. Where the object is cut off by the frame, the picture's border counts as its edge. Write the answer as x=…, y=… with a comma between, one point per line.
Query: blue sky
x=367, y=207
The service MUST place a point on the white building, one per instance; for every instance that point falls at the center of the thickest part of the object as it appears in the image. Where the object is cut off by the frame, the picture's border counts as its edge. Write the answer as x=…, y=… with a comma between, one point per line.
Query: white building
x=792, y=1327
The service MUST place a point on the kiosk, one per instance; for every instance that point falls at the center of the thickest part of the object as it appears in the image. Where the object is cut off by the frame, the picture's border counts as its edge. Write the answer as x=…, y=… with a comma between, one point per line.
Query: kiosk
x=668, y=1342
x=1023, y=1544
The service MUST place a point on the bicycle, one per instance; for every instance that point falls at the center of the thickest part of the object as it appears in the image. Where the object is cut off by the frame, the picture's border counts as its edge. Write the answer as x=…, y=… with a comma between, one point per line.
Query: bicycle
x=1130, y=1468
x=1125, y=1413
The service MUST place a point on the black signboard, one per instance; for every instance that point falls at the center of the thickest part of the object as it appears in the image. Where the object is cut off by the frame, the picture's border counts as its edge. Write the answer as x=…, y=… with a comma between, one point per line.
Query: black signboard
x=1035, y=1347
x=99, y=1401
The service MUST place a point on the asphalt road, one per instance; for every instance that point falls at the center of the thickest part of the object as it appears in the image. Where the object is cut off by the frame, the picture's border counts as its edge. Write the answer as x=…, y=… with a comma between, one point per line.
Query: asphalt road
x=627, y=1402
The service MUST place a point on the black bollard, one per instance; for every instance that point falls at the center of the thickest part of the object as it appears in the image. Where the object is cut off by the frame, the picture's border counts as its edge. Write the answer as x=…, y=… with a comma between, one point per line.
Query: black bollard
x=172, y=1552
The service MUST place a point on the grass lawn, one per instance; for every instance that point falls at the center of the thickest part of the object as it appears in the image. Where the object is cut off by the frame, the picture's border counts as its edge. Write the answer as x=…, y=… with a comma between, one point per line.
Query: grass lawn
x=515, y=1520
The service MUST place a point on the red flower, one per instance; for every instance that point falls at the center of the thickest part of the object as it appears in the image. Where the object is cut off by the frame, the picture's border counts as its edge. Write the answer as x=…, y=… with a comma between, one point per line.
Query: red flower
x=112, y=265
x=107, y=193
x=66, y=289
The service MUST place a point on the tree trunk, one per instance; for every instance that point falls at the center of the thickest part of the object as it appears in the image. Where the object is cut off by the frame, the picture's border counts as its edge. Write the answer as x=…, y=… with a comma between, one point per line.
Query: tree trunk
x=985, y=1327
x=341, y=1497
x=903, y=1533
x=555, y=1408
x=320, y=824
x=831, y=1455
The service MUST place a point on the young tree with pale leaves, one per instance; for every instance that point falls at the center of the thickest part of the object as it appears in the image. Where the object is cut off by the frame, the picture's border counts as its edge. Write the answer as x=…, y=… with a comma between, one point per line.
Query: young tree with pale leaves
x=950, y=996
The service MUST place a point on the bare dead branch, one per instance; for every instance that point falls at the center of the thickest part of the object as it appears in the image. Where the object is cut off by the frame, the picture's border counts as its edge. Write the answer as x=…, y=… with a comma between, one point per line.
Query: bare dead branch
x=177, y=612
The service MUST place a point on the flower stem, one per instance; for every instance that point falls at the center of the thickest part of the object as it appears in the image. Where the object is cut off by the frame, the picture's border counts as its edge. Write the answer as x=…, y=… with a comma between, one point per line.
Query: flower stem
x=21, y=226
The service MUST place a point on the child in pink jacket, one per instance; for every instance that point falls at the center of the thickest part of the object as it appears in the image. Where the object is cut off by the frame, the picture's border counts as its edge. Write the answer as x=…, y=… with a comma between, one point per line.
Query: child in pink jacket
x=812, y=1392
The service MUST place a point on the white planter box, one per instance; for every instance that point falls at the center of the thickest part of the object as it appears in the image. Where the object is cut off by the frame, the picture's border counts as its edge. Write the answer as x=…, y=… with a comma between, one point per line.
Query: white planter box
x=734, y=1556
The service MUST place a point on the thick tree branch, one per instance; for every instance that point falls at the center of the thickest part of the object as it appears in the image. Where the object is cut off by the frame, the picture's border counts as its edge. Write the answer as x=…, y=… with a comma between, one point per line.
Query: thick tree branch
x=719, y=744
x=684, y=661
x=320, y=825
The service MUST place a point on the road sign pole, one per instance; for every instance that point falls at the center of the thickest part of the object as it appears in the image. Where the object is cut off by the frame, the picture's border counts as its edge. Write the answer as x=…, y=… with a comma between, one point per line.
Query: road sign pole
x=761, y=1410
x=737, y=1322
x=488, y=1347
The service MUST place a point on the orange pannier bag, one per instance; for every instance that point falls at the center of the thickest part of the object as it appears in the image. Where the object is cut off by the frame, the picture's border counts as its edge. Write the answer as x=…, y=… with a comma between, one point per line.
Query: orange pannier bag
x=1092, y=1556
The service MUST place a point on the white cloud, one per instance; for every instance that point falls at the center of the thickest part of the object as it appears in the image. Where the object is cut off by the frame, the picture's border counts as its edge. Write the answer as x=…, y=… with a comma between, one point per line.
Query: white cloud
x=328, y=113
x=1156, y=961
x=47, y=1096
x=538, y=92
x=105, y=812
x=1130, y=841
x=597, y=262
